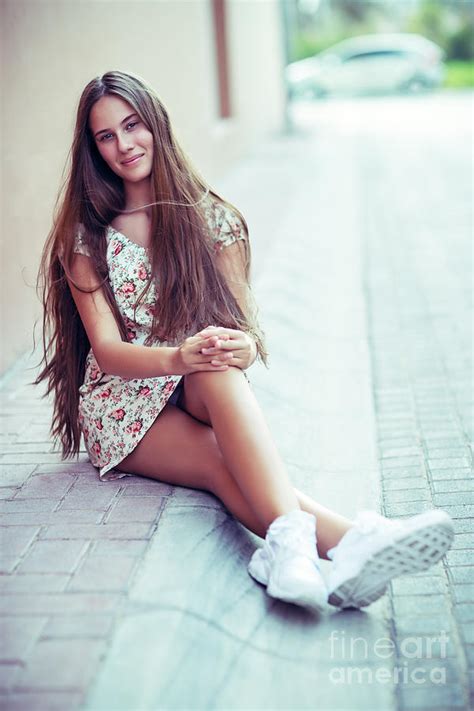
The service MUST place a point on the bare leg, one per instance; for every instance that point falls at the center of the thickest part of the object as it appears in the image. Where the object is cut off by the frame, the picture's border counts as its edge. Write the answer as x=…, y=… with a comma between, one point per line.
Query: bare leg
x=183, y=450
x=244, y=439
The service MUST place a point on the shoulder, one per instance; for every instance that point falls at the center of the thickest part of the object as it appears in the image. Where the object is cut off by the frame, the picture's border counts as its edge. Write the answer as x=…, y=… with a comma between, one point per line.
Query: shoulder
x=80, y=246
x=227, y=225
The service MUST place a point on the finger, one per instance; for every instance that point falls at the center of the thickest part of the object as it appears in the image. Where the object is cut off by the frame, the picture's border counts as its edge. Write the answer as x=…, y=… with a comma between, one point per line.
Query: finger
x=222, y=359
x=216, y=330
x=209, y=366
x=218, y=348
x=208, y=329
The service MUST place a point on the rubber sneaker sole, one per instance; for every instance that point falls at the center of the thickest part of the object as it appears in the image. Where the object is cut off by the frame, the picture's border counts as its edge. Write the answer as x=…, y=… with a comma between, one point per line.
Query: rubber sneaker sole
x=256, y=568
x=312, y=596
x=423, y=544
x=299, y=582
x=312, y=599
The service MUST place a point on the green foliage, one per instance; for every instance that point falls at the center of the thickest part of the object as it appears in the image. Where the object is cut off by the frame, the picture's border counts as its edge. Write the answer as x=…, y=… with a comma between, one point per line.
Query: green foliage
x=306, y=44
x=448, y=23
x=459, y=75
x=461, y=43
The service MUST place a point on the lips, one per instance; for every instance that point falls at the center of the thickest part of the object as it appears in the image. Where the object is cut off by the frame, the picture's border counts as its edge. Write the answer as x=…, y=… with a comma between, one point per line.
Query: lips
x=132, y=160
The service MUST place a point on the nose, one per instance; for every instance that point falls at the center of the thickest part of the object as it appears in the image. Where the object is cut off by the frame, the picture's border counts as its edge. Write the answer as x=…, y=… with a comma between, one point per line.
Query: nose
x=124, y=142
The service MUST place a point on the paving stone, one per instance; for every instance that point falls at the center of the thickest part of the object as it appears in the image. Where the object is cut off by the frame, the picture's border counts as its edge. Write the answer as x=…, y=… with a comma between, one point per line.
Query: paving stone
x=463, y=540
x=8, y=563
x=48, y=486
x=448, y=463
x=86, y=497
x=450, y=474
x=467, y=631
x=410, y=624
x=415, y=585
x=403, y=473
x=459, y=557
x=86, y=625
x=448, y=499
x=463, y=525
x=31, y=459
x=48, y=604
x=128, y=531
x=461, y=574
x=432, y=696
x=390, y=452
x=408, y=496
x=407, y=508
x=49, y=582
x=82, y=469
x=470, y=654
x=27, y=505
x=53, y=557
x=449, y=485
x=8, y=492
x=464, y=592
x=464, y=612
x=42, y=701
x=61, y=664
x=404, y=484
x=136, y=508
x=55, y=517
x=114, y=547
x=15, y=475
x=17, y=541
x=460, y=511
x=8, y=675
x=17, y=636
x=139, y=486
x=103, y=574
x=447, y=452
x=410, y=605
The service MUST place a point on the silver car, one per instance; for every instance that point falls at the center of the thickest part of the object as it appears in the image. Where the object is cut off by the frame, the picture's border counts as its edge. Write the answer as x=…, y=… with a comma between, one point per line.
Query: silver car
x=368, y=64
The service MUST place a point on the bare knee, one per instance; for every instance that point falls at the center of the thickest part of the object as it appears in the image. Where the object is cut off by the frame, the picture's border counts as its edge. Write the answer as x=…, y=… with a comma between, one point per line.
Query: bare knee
x=215, y=376
x=208, y=381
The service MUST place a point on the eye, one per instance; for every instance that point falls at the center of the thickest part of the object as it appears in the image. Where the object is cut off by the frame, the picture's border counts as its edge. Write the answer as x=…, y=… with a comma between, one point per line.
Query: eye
x=132, y=123
x=102, y=138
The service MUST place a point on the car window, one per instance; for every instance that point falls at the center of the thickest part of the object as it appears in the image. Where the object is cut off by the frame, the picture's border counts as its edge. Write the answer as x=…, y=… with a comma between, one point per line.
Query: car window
x=374, y=54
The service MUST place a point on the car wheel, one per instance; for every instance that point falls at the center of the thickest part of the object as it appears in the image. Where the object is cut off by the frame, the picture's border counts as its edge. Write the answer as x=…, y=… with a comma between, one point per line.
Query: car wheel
x=319, y=92
x=414, y=86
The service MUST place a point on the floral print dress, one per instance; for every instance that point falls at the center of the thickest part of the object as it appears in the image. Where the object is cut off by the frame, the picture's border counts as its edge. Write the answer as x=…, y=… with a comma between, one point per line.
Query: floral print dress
x=115, y=412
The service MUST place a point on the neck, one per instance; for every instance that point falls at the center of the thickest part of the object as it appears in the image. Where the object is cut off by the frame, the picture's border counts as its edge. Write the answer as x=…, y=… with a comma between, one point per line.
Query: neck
x=137, y=195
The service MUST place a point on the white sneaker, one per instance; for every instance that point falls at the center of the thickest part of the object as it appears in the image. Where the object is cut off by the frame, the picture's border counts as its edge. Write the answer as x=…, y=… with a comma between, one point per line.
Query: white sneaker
x=377, y=549
x=288, y=563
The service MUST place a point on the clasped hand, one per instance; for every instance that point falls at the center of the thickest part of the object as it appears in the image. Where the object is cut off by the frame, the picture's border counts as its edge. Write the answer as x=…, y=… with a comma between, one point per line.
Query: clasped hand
x=217, y=348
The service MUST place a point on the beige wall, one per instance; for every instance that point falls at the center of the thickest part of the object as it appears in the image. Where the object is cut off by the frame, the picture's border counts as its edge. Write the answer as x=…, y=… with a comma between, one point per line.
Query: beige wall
x=51, y=49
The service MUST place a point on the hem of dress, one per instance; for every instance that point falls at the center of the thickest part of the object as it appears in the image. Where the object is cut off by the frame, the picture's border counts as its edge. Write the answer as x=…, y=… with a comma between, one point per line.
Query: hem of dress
x=110, y=467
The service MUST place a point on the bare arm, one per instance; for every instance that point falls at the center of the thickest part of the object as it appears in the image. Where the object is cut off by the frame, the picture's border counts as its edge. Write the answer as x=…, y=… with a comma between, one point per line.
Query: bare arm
x=117, y=357
x=231, y=261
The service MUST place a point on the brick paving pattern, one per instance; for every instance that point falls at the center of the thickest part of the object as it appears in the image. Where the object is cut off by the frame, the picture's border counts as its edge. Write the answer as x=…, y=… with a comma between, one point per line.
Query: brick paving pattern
x=419, y=270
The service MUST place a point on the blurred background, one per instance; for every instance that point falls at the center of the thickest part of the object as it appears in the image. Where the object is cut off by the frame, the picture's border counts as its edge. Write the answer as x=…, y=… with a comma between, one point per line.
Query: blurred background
x=232, y=73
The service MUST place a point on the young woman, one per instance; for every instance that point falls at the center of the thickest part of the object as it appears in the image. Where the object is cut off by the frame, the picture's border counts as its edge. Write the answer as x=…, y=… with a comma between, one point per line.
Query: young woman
x=149, y=327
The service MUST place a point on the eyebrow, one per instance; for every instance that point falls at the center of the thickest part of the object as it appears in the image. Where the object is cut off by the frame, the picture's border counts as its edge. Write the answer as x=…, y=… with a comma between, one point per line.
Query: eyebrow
x=106, y=130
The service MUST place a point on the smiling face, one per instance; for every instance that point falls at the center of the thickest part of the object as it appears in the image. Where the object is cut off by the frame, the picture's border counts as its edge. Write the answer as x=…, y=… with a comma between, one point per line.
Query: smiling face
x=122, y=139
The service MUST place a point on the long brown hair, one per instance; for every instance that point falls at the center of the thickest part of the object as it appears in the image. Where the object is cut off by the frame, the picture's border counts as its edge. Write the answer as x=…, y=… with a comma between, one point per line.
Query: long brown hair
x=191, y=290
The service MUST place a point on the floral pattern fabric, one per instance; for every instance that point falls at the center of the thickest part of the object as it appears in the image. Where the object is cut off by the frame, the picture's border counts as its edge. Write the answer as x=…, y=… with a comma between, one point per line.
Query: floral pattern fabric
x=114, y=412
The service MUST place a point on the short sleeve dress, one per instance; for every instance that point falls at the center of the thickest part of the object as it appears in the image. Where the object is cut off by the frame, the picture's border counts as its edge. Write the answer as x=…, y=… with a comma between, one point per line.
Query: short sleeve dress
x=114, y=412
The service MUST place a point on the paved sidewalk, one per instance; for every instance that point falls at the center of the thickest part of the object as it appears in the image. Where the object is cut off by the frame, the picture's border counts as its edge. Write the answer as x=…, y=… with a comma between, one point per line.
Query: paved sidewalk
x=133, y=595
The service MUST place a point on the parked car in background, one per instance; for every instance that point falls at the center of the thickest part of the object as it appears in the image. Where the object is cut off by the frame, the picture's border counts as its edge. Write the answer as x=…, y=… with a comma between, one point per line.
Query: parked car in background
x=377, y=63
